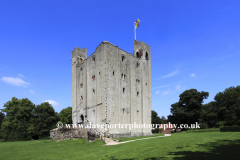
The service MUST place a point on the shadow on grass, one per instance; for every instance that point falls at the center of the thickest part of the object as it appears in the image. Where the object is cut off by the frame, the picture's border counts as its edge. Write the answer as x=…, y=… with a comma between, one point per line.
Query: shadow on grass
x=221, y=149
x=113, y=158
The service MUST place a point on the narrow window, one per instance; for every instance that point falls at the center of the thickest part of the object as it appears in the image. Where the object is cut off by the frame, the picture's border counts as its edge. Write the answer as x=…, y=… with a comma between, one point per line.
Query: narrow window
x=93, y=77
x=93, y=91
x=113, y=73
x=93, y=58
x=137, y=65
x=137, y=93
x=81, y=85
x=123, y=90
x=99, y=73
x=81, y=69
x=81, y=98
x=146, y=84
x=123, y=58
x=138, y=55
x=124, y=76
x=146, y=57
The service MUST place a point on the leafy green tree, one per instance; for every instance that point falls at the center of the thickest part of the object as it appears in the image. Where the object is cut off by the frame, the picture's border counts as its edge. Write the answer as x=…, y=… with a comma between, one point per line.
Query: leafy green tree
x=66, y=115
x=228, y=106
x=155, y=118
x=45, y=119
x=19, y=121
x=189, y=107
x=2, y=116
x=209, y=114
x=164, y=120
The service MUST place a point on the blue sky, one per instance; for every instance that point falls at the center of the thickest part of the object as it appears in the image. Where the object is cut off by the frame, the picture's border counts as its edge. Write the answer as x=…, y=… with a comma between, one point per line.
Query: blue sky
x=194, y=44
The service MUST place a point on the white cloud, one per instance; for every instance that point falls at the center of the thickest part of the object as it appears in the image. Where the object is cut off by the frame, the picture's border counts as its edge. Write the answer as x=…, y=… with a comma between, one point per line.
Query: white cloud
x=160, y=87
x=21, y=75
x=31, y=91
x=157, y=92
x=178, y=87
x=193, y=75
x=166, y=92
x=15, y=81
x=171, y=74
x=53, y=103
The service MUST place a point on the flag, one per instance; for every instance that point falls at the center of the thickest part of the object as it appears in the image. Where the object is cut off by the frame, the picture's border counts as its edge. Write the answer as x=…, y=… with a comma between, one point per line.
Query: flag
x=137, y=23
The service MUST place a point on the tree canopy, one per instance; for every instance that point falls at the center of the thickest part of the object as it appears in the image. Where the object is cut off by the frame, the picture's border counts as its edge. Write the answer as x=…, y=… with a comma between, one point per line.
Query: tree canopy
x=24, y=120
x=188, y=109
x=66, y=115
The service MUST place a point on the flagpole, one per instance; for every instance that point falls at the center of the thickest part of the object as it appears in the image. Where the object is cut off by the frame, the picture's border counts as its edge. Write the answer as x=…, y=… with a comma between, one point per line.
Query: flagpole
x=135, y=30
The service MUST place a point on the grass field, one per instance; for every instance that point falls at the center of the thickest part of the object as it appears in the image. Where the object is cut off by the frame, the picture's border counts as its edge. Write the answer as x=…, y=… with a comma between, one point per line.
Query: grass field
x=185, y=146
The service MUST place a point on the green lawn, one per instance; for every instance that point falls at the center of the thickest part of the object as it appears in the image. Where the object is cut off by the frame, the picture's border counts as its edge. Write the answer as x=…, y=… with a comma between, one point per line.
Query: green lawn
x=192, y=146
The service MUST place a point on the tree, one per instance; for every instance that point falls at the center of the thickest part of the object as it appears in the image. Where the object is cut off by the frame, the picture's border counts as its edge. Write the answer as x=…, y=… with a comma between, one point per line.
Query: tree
x=164, y=120
x=209, y=114
x=45, y=119
x=188, y=109
x=155, y=118
x=2, y=116
x=19, y=121
x=66, y=115
x=228, y=106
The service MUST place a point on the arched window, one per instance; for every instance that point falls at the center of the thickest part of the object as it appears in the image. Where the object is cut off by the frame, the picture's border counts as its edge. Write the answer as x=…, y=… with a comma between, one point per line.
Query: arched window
x=146, y=57
x=80, y=61
x=93, y=58
x=138, y=56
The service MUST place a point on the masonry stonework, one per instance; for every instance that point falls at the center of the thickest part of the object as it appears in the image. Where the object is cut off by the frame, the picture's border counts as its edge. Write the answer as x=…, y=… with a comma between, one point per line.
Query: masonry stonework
x=112, y=86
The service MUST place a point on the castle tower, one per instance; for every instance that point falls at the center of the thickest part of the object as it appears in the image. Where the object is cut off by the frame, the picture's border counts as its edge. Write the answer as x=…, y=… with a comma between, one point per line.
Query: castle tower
x=78, y=57
x=111, y=87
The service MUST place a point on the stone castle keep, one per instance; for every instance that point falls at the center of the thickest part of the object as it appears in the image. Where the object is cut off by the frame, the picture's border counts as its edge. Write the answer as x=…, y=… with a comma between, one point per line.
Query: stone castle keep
x=112, y=86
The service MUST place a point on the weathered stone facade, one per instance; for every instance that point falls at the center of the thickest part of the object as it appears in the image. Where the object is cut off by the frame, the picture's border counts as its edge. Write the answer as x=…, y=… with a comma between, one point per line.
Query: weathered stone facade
x=112, y=86
x=60, y=134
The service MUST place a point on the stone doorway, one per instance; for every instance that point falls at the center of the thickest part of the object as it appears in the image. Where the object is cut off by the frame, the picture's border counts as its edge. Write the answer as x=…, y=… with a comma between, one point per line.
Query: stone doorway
x=82, y=118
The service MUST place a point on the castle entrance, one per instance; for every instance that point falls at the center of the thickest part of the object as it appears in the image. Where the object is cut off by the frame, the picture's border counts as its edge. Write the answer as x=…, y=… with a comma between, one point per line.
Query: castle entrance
x=82, y=118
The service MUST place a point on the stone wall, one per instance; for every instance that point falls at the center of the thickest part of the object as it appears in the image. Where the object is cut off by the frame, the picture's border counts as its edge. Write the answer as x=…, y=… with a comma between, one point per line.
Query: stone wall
x=63, y=133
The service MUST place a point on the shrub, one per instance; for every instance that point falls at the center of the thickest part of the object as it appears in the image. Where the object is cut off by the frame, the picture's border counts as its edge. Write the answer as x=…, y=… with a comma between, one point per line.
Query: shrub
x=230, y=129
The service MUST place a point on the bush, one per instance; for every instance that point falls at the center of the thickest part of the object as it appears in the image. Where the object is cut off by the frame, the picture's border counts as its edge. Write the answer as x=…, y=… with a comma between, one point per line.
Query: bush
x=203, y=130
x=156, y=130
x=220, y=123
x=203, y=126
x=230, y=129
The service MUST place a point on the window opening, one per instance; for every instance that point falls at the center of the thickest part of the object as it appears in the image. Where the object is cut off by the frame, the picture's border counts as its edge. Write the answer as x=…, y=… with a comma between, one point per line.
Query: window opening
x=138, y=55
x=137, y=65
x=146, y=57
x=123, y=58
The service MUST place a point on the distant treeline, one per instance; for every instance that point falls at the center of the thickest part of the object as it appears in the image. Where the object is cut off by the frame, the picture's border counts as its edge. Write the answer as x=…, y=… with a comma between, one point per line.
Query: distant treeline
x=24, y=120
x=223, y=111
